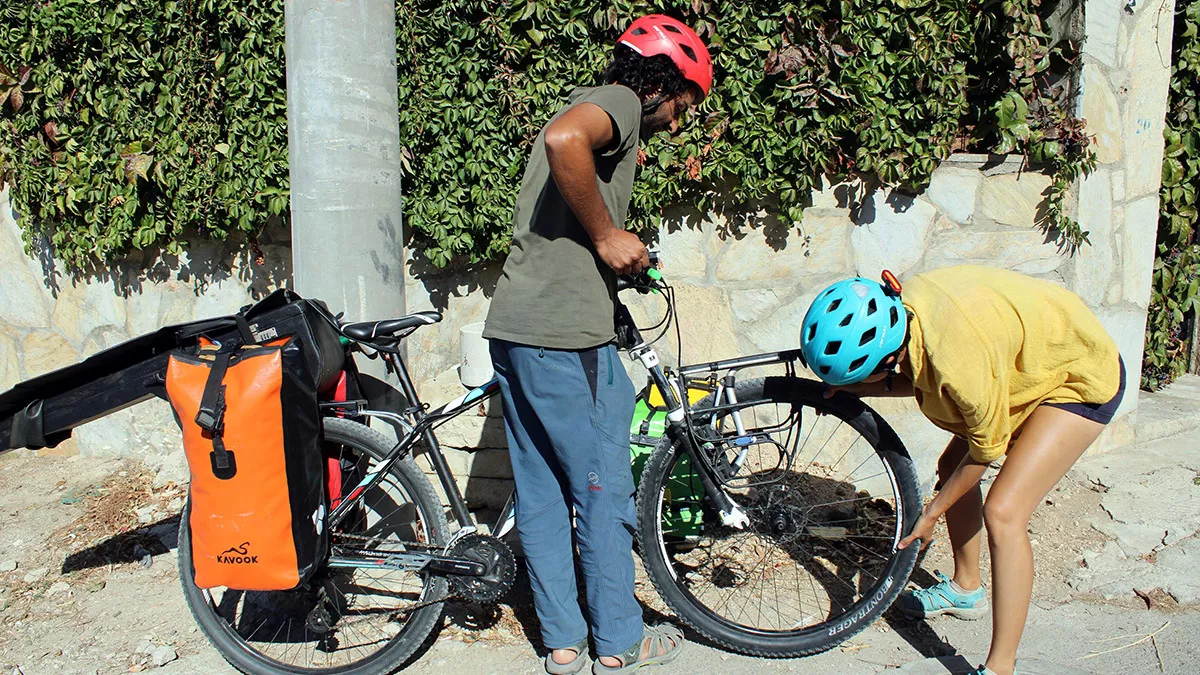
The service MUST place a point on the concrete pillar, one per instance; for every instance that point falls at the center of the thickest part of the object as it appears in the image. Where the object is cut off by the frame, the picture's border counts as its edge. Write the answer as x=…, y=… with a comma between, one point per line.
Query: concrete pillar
x=344, y=155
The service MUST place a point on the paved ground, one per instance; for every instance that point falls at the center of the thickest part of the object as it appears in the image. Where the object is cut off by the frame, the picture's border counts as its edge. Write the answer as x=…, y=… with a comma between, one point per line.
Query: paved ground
x=1117, y=588
x=1058, y=641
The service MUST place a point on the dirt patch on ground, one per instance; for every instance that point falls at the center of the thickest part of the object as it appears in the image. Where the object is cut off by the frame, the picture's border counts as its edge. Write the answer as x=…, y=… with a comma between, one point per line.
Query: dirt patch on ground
x=96, y=586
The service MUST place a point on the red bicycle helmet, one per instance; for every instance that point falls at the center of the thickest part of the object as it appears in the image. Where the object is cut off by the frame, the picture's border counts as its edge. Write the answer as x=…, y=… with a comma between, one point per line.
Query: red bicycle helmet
x=658, y=34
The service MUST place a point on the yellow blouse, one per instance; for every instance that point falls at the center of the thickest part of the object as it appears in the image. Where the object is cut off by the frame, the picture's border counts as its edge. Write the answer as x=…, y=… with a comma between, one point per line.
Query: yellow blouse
x=986, y=346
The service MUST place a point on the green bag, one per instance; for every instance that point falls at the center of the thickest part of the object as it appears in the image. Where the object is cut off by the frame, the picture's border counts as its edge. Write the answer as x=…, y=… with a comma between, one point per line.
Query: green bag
x=683, y=517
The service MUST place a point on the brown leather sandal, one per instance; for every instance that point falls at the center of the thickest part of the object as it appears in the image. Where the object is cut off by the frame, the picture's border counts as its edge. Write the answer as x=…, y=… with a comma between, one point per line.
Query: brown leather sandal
x=661, y=644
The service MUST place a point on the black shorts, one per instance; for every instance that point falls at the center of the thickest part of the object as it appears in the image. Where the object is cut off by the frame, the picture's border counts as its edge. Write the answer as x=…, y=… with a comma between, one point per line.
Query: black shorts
x=1097, y=412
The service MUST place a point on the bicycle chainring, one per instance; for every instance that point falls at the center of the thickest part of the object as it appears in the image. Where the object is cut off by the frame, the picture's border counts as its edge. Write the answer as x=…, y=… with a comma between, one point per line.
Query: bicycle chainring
x=494, y=555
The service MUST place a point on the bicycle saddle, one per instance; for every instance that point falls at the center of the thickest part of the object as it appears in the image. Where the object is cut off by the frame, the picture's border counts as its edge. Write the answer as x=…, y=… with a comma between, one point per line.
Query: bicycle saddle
x=373, y=330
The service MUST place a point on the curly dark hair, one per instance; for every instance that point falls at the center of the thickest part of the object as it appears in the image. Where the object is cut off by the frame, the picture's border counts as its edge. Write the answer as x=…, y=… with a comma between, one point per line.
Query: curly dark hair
x=653, y=76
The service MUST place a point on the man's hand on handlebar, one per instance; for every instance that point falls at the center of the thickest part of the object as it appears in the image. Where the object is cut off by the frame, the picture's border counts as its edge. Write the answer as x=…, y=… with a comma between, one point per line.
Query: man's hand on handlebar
x=645, y=280
x=623, y=251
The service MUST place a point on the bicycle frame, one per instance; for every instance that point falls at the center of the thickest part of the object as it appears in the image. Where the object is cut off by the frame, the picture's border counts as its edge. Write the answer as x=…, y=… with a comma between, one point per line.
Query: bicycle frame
x=418, y=424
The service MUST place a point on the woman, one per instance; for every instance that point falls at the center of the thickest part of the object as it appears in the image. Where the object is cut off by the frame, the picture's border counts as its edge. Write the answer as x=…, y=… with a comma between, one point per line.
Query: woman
x=1015, y=368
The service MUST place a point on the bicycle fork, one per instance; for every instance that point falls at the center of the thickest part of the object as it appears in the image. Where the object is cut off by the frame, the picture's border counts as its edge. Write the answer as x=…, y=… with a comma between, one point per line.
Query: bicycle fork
x=730, y=513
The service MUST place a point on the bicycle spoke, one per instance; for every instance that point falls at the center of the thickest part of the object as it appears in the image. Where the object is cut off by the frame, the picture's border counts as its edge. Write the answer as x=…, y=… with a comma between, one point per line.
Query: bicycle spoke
x=821, y=519
x=362, y=603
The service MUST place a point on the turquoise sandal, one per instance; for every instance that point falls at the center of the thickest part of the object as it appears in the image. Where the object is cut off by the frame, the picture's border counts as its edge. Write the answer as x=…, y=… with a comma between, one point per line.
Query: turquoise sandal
x=944, y=598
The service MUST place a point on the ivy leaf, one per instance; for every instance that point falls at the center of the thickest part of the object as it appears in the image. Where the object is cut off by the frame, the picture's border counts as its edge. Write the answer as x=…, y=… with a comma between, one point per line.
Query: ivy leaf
x=136, y=167
x=222, y=148
x=1012, y=111
x=536, y=35
x=16, y=98
x=1172, y=172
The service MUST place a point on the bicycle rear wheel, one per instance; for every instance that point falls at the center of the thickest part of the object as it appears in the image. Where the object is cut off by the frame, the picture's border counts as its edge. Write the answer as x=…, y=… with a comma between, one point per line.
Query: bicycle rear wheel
x=343, y=621
x=829, y=491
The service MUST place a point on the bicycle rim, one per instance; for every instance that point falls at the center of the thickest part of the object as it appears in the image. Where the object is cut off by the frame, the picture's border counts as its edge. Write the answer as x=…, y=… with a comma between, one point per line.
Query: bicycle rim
x=826, y=506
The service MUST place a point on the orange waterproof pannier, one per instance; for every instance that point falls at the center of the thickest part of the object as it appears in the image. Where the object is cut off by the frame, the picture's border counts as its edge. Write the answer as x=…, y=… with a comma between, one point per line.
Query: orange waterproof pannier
x=251, y=432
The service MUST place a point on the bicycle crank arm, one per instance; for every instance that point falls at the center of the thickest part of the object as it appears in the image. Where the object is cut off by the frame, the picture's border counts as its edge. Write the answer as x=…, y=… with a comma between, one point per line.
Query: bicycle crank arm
x=413, y=562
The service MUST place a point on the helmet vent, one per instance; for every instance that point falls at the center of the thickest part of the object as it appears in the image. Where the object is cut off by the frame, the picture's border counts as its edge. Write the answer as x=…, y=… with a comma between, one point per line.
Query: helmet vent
x=812, y=331
x=673, y=29
x=866, y=337
x=871, y=307
x=834, y=305
x=691, y=53
x=895, y=317
x=833, y=347
x=824, y=370
x=846, y=321
x=638, y=31
x=857, y=363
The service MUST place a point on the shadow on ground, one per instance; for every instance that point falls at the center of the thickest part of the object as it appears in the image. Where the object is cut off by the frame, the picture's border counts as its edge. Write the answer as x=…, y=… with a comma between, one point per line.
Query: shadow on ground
x=127, y=547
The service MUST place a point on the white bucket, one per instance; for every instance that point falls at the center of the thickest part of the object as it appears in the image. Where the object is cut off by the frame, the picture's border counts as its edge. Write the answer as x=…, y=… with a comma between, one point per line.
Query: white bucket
x=475, y=365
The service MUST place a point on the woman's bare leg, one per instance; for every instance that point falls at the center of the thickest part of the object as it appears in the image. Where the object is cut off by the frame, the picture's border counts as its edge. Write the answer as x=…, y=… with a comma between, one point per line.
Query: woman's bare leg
x=1051, y=441
x=964, y=520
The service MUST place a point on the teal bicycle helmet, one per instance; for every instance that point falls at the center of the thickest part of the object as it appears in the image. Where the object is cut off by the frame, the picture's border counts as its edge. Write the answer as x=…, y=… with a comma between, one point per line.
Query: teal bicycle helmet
x=852, y=328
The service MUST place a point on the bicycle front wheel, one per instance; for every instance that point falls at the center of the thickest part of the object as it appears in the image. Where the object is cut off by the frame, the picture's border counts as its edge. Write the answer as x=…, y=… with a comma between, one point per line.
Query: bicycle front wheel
x=346, y=621
x=829, y=491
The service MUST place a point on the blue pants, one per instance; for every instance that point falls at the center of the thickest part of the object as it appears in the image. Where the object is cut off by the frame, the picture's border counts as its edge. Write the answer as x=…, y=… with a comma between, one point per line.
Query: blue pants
x=567, y=415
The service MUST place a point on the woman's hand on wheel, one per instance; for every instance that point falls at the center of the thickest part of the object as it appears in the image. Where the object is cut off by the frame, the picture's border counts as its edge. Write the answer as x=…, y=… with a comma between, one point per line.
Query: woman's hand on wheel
x=861, y=389
x=923, y=531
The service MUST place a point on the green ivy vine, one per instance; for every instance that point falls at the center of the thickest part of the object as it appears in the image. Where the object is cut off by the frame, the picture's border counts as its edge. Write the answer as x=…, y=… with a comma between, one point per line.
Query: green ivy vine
x=1175, y=291
x=131, y=125
x=135, y=124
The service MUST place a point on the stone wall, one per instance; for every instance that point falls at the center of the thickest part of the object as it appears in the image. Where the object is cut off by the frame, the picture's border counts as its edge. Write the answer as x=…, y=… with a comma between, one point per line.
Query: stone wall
x=744, y=281
x=50, y=319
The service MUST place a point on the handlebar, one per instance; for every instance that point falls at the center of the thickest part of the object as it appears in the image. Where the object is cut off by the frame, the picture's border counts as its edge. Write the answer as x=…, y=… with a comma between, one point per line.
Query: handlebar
x=645, y=281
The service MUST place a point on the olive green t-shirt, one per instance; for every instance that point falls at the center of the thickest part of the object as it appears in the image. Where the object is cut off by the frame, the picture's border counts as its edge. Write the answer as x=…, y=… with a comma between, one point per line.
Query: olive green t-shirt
x=555, y=291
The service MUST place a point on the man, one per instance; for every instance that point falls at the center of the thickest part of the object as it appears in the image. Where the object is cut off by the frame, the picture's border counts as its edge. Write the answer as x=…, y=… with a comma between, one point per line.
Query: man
x=568, y=402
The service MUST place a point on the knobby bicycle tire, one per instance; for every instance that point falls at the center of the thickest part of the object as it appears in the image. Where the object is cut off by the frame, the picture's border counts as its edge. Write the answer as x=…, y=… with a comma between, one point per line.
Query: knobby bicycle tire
x=419, y=625
x=835, y=629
